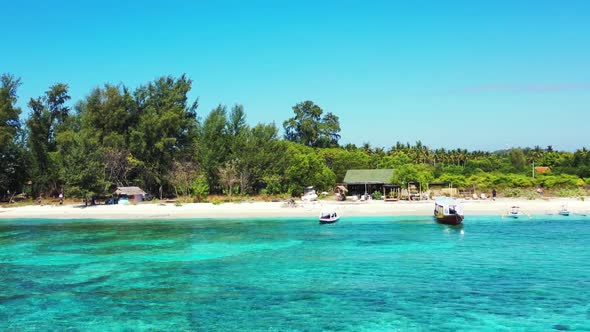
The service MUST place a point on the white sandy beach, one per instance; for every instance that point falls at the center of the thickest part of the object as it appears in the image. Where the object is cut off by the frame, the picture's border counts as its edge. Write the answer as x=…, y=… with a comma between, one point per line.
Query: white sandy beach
x=268, y=209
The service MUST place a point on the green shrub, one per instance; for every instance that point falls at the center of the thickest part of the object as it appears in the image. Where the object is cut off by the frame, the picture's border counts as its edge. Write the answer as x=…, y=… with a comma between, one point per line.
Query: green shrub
x=561, y=181
x=531, y=195
x=185, y=199
x=377, y=195
x=273, y=185
x=177, y=203
x=578, y=192
x=512, y=192
x=200, y=188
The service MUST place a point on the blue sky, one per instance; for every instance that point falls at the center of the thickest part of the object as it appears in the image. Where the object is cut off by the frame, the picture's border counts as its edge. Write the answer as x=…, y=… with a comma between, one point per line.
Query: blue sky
x=470, y=74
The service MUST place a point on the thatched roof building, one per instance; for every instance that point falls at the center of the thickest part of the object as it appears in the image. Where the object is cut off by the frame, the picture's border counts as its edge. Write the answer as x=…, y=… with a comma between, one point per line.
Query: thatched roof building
x=129, y=191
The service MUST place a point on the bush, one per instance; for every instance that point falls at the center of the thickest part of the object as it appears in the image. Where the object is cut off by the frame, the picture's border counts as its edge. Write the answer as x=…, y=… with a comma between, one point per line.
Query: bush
x=578, y=192
x=512, y=192
x=561, y=181
x=377, y=195
x=531, y=195
x=273, y=185
x=200, y=188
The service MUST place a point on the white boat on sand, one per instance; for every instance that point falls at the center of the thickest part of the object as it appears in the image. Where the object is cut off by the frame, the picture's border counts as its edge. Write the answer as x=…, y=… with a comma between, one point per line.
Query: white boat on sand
x=564, y=211
x=515, y=213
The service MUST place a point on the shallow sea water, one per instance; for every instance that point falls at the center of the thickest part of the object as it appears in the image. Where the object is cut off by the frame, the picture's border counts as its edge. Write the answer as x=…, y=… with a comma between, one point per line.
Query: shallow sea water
x=360, y=274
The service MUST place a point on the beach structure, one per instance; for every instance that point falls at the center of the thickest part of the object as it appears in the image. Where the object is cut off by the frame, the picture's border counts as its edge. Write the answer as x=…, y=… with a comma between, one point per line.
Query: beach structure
x=542, y=169
x=414, y=191
x=341, y=191
x=132, y=193
x=367, y=181
x=442, y=189
x=392, y=192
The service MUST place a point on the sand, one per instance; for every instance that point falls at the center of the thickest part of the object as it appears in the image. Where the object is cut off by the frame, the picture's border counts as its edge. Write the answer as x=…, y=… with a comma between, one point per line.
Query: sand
x=149, y=210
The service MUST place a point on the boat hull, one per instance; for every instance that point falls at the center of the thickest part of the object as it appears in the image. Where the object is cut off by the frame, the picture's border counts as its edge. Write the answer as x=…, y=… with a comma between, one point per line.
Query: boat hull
x=328, y=221
x=453, y=219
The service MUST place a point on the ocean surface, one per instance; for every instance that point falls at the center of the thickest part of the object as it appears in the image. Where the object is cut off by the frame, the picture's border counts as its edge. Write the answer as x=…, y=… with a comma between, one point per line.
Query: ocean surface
x=360, y=274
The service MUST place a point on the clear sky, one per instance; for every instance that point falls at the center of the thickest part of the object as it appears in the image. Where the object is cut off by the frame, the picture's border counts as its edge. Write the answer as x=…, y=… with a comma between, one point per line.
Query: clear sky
x=470, y=74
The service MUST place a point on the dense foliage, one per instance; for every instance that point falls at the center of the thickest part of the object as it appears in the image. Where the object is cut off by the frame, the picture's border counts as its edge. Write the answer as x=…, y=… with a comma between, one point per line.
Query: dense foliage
x=154, y=138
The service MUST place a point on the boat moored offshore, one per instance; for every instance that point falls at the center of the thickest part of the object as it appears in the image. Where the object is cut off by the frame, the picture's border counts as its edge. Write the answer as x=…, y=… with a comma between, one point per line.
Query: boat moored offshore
x=448, y=211
x=329, y=217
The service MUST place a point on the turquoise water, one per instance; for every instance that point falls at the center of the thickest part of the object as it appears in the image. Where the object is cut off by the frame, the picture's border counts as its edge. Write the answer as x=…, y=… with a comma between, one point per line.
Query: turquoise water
x=360, y=274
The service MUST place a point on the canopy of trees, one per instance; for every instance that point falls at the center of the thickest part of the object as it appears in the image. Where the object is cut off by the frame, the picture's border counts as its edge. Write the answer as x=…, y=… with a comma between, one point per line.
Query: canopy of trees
x=153, y=137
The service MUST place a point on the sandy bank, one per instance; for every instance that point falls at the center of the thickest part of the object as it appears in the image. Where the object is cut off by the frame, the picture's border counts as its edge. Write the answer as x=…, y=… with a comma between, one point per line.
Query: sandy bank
x=267, y=209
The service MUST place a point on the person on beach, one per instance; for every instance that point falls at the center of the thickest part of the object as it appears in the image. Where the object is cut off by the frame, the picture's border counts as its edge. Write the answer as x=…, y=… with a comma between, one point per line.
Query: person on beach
x=494, y=194
x=61, y=198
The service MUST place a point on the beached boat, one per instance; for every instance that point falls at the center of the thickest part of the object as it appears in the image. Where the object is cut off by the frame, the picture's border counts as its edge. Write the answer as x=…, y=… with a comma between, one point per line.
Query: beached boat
x=564, y=211
x=329, y=217
x=448, y=211
x=309, y=195
x=514, y=212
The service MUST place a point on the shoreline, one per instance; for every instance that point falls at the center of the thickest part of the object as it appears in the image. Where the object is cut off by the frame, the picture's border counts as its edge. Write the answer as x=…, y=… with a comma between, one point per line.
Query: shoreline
x=545, y=206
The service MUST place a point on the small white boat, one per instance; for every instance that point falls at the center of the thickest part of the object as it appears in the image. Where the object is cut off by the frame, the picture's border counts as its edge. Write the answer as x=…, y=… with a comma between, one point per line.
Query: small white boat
x=564, y=211
x=329, y=217
x=309, y=195
x=514, y=212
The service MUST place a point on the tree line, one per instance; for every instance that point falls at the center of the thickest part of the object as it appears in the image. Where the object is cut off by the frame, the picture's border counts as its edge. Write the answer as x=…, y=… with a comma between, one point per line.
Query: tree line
x=153, y=137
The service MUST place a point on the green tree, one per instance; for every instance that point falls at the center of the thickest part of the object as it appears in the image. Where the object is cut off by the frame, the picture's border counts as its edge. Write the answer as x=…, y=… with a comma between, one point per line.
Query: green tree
x=307, y=169
x=109, y=113
x=12, y=152
x=517, y=159
x=48, y=117
x=166, y=130
x=411, y=172
x=214, y=145
x=9, y=112
x=262, y=156
x=106, y=117
x=341, y=160
x=200, y=188
x=394, y=161
x=309, y=128
x=79, y=163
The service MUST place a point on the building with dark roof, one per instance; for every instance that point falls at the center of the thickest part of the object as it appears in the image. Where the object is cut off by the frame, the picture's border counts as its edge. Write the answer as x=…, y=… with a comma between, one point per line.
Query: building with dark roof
x=361, y=181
